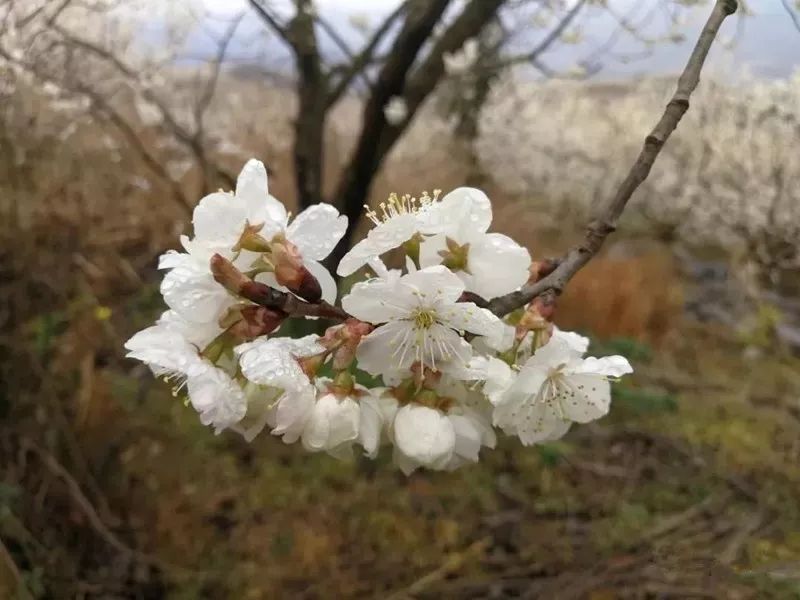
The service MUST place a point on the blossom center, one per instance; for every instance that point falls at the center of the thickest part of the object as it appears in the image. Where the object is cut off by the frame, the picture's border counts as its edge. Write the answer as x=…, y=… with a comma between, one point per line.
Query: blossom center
x=401, y=205
x=424, y=319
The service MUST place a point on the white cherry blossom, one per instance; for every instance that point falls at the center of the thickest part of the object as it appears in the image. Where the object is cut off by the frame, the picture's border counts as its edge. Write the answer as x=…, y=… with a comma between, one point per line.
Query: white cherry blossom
x=287, y=402
x=190, y=290
x=490, y=264
x=554, y=388
x=220, y=220
x=420, y=320
x=169, y=350
x=438, y=439
x=337, y=421
x=396, y=221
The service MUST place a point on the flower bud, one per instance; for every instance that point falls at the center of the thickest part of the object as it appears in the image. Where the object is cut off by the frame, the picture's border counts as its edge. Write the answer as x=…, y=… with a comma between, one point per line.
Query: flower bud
x=291, y=272
x=343, y=340
x=255, y=321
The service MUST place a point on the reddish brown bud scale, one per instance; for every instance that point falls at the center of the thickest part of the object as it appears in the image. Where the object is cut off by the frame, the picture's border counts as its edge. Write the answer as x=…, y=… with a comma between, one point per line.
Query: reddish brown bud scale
x=256, y=321
x=308, y=288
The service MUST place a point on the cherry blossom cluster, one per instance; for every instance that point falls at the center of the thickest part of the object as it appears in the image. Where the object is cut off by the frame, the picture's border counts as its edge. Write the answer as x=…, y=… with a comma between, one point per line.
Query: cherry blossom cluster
x=449, y=371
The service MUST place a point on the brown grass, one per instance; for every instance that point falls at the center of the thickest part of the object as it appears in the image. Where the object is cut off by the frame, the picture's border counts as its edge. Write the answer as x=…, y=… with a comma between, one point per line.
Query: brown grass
x=639, y=297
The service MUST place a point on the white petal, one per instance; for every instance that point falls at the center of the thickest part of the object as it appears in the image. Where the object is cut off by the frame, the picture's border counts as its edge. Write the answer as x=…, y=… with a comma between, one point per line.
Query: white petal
x=576, y=341
x=435, y=284
x=459, y=214
x=331, y=423
x=166, y=351
x=252, y=187
x=292, y=412
x=554, y=353
x=371, y=424
x=468, y=437
x=260, y=402
x=538, y=423
x=612, y=366
x=219, y=400
x=429, y=250
x=443, y=349
x=499, y=378
x=325, y=279
x=378, y=352
x=406, y=464
x=198, y=334
x=193, y=294
x=171, y=259
x=588, y=397
x=496, y=265
x=466, y=316
x=270, y=362
x=220, y=217
x=424, y=435
x=317, y=230
x=384, y=237
x=378, y=301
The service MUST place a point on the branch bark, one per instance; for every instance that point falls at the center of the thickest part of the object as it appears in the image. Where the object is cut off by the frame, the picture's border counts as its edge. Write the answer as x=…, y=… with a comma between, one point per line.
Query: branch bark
x=605, y=221
x=236, y=282
x=396, y=79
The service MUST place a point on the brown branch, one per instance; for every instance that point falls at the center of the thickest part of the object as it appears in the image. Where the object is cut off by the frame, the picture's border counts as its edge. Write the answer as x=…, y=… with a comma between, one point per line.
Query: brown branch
x=377, y=136
x=236, y=282
x=532, y=56
x=365, y=57
x=605, y=221
x=266, y=15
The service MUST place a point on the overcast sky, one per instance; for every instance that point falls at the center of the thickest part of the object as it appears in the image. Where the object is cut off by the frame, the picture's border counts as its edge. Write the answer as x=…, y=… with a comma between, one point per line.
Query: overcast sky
x=766, y=42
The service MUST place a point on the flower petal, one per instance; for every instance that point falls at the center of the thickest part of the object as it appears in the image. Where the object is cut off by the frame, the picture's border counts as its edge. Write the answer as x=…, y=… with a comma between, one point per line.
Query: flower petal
x=220, y=217
x=379, y=300
x=461, y=213
x=326, y=281
x=192, y=292
x=433, y=285
x=165, y=351
x=291, y=413
x=252, y=187
x=466, y=316
x=219, y=400
x=588, y=397
x=612, y=366
x=577, y=342
x=384, y=237
x=496, y=265
x=424, y=435
x=378, y=352
x=317, y=230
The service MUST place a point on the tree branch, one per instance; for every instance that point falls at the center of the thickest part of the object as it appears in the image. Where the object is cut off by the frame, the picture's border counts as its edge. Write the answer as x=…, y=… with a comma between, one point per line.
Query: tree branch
x=532, y=56
x=377, y=136
x=605, y=221
x=792, y=14
x=363, y=58
x=236, y=282
x=270, y=19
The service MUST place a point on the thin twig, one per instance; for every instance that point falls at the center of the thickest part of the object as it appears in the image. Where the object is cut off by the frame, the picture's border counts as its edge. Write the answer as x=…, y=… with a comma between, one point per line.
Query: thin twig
x=606, y=220
x=453, y=563
x=792, y=14
x=20, y=589
x=96, y=523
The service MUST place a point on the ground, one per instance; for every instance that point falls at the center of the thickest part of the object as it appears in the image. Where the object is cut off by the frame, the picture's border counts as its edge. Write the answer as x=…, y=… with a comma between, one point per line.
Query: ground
x=688, y=489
